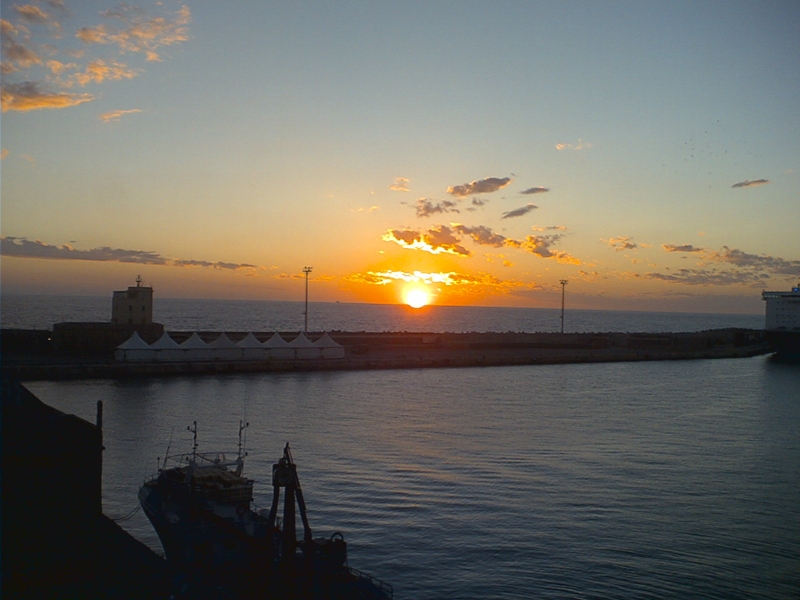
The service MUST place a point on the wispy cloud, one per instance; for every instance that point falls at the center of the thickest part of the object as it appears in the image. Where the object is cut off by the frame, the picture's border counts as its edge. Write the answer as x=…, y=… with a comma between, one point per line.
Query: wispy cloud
x=518, y=212
x=727, y=266
x=538, y=245
x=426, y=208
x=24, y=248
x=535, y=190
x=481, y=234
x=32, y=83
x=450, y=278
x=621, y=243
x=400, y=184
x=484, y=186
x=115, y=115
x=581, y=145
x=436, y=240
x=550, y=228
x=758, y=262
x=681, y=248
x=133, y=30
x=748, y=183
x=708, y=277
x=30, y=96
x=3, y=153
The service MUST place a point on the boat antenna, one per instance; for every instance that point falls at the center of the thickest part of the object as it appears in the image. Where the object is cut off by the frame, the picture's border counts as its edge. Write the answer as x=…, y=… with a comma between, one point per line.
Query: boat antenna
x=168, y=446
x=242, y=454
x=243, y=448
x=242, y=427
x=193, y=429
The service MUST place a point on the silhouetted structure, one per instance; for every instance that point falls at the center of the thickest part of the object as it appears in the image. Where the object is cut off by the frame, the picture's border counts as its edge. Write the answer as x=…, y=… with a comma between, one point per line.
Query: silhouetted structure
x=56, y=542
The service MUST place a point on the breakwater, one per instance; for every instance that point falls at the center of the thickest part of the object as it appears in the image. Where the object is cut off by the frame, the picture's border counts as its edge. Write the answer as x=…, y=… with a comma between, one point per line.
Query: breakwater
x=28, y=357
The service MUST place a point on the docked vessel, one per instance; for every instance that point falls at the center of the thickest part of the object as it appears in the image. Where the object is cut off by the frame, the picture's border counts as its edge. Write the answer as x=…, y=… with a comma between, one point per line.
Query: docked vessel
x=217, y=546
x=782, y=324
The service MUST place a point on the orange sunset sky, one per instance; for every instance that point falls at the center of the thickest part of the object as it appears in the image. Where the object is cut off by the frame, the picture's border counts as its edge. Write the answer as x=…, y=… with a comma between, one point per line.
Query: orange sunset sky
x=478, y=153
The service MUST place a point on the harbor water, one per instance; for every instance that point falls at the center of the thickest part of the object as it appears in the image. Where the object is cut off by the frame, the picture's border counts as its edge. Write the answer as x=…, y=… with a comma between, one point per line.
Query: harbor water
x=673, y=479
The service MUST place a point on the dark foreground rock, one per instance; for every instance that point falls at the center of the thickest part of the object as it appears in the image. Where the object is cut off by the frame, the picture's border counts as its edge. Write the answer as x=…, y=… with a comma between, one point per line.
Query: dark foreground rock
x=56, y=542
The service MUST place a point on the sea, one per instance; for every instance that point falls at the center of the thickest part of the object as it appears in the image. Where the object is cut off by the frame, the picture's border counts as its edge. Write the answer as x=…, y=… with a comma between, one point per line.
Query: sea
x=664, y=479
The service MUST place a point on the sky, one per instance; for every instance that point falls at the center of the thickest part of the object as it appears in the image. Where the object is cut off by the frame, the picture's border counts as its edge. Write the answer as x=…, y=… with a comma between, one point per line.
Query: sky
x=477, y=153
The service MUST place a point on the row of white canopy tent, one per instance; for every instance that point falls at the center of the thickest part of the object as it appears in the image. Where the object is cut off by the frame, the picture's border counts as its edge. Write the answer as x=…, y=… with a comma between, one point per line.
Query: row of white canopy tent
x=165, y=349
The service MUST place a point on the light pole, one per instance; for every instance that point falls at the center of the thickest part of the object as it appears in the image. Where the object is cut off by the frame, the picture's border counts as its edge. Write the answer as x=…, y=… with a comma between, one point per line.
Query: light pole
x=564, y=283
x=306, y=270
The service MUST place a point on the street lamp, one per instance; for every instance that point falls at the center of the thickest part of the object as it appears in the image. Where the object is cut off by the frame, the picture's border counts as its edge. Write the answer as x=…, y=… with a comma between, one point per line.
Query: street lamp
x=564, y=283
x=306, y=270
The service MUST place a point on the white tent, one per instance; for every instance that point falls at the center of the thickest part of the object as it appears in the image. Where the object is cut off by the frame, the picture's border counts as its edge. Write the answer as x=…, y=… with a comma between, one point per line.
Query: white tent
x=196, y=349
x=304, y=347
x=277, y=347
x=167, y=349
x=252, y=349
x=134, y=348
x=224, y=349
x=329, y=348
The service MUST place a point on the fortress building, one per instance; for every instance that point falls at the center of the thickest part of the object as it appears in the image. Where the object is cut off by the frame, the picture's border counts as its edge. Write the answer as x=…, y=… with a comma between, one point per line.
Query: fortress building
x=133, y=306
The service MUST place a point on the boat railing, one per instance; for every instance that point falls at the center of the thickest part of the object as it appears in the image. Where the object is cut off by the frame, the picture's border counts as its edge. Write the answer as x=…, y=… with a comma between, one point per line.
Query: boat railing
x=385, y=587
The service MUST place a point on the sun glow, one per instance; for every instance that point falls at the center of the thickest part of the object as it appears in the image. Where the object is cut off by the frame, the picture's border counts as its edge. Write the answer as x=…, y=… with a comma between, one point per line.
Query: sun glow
x=417, y=298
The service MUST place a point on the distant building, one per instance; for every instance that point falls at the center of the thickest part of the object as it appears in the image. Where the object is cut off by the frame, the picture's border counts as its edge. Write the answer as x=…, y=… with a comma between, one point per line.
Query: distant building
x=782, y=325
x=782, y=310
x=133, y=306
x=131, y=310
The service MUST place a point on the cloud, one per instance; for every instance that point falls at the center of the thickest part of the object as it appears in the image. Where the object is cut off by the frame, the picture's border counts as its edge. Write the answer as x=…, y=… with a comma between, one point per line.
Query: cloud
x=115, y=115
x=481, y=234
x=23, y=248
x=622, y=243
x=17, y=54
x=484, y=186
x=441, y=238
x=135, y=31
x=3, y=153
x=581, y=145
x=682, y=248
x=436, y=240
x=744, y=260
x=32, y=83
x=29, y=96
x=752, y=269
x=748, y=183
x=535, y=190
x=426, y=208
x=98, y=71
x=759, y=262
x=400, y=185
x=479, y=202
x=550, y=228
x=707, y=277
x=518, y=212
x=451, y=278
x=31, y=14
x=538, y=245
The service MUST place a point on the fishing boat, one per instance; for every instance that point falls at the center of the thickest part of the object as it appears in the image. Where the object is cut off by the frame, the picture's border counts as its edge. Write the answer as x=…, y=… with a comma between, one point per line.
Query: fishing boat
x=218, y=546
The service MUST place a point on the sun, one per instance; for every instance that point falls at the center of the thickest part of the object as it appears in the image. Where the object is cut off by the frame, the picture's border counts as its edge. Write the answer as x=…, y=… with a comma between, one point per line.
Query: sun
x=417, y=298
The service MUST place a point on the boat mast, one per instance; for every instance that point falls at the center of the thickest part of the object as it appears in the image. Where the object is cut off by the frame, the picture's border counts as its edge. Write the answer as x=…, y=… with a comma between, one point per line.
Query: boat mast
x=193, y=429
x=242, y=452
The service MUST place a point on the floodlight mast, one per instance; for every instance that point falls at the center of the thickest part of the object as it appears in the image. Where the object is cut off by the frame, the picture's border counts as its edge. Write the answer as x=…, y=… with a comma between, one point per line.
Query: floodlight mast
x=306, y=270
x=564, y=283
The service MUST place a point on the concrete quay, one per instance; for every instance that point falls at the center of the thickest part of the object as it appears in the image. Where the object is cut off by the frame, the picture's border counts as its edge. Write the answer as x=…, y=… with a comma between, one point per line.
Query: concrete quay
x=386, y=350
